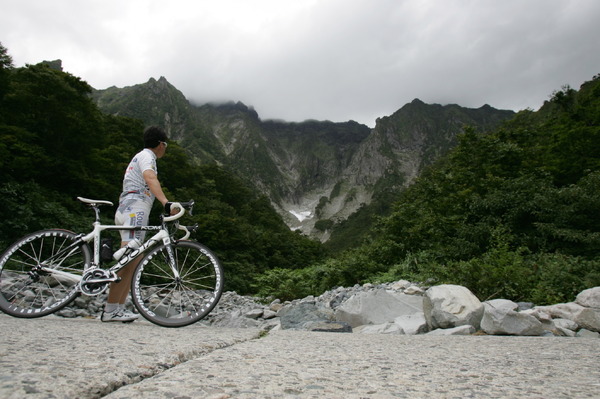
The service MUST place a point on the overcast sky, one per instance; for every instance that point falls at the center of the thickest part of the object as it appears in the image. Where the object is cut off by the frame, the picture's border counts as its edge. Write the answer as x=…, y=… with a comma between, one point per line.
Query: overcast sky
x=332, y=60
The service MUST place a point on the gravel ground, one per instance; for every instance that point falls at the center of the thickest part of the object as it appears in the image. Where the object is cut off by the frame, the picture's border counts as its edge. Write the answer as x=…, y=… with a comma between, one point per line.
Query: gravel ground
x=82, y=358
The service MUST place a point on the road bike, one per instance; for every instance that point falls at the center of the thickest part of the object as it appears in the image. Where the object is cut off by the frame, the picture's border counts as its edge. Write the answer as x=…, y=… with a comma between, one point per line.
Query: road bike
x=177, y=283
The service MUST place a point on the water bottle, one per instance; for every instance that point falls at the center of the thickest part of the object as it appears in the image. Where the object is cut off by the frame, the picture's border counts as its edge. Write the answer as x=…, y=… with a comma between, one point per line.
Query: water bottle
x=131, y=245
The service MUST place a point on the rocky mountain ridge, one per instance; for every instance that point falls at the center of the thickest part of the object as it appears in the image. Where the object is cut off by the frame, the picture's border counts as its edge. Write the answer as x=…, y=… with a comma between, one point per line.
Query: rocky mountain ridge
x=316, y=173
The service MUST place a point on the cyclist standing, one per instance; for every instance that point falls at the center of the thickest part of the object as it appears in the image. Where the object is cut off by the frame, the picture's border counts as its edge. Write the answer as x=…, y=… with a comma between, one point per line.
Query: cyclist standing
x=140, y=188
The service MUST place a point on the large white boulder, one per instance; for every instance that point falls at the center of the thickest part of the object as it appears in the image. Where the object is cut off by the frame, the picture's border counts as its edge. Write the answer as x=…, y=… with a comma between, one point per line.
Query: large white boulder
x=412, y=324
x=589, y=298
x=447, y=306
x=377, y=307
x=500, y=318
x=385, y=328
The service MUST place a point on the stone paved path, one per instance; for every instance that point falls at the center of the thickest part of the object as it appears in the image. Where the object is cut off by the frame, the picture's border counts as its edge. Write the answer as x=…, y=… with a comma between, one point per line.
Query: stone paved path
x=63, y=358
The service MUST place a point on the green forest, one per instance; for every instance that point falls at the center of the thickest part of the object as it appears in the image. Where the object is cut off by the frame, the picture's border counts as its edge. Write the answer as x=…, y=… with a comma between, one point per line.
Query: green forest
x=511, y=214
x=55, y=145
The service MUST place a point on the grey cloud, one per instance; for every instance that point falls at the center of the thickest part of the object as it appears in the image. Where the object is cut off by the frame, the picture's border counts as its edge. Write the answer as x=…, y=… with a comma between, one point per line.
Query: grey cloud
x=334, y=60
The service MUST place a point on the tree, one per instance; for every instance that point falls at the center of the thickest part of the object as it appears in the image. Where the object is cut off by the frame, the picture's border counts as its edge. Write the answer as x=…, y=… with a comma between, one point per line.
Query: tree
x=6, y=65
x=6, y=61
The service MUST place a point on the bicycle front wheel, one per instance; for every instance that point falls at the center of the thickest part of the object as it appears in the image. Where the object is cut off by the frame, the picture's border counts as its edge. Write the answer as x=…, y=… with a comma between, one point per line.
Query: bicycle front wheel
x=40, y=273
x=179, y=294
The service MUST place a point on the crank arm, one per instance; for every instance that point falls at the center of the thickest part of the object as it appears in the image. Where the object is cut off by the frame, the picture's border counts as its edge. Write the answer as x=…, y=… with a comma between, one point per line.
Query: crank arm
x=103, y=280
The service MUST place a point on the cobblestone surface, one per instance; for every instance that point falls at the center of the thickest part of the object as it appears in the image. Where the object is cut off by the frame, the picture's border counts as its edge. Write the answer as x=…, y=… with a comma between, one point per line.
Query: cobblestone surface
x=61, y=358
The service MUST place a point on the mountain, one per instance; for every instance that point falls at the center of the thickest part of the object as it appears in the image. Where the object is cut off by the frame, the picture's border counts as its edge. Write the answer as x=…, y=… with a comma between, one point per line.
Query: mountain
x=316, y=173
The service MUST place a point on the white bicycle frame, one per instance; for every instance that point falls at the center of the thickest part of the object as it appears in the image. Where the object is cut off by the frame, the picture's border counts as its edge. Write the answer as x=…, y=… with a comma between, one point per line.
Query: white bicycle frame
x=94, y=235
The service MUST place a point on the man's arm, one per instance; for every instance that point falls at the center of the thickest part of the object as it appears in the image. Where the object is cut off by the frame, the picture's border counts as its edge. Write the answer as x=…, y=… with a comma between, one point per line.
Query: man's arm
x=154, y=185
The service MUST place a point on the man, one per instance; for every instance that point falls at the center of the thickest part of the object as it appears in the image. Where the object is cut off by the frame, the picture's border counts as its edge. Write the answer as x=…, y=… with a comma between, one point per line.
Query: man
x=140, y=188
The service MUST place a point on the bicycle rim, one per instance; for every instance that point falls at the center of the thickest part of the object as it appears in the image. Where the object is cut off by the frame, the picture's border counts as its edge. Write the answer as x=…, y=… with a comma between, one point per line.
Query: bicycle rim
x=177, y=298
x=40, y=273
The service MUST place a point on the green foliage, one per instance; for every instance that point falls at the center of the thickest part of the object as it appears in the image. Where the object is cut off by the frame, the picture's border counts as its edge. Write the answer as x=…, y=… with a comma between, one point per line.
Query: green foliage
x=6, y=64
x=56, y=145
x=6, y=61
x=512, y=213
x=504, y=179
x=28, y=207
x=500, y=202
x=543, y=278
x=353, y=267
x=498, y=273
x=559, y=278
x=286, y=284
x=324, y=225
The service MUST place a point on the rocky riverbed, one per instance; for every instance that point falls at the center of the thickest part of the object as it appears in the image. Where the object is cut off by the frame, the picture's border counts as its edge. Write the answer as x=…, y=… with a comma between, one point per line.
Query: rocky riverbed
x=400, y=307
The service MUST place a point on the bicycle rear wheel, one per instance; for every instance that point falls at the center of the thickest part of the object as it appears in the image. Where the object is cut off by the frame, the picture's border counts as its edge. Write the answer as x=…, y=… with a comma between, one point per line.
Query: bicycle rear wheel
x=40, y=273
x=177, y=298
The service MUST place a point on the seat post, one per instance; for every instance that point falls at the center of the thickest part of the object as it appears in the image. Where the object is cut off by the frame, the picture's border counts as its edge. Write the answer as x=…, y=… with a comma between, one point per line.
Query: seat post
x=97, y=212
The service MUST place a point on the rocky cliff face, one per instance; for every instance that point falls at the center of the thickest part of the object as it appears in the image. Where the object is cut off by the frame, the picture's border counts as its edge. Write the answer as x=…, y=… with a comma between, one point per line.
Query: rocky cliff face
x=316, y=173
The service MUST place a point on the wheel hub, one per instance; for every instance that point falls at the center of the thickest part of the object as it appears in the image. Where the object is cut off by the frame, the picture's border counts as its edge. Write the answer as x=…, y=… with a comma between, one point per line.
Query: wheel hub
x=36, y=273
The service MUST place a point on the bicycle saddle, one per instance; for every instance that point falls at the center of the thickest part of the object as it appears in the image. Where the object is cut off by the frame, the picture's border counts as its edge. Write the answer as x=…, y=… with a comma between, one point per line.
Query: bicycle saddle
x=94, y=202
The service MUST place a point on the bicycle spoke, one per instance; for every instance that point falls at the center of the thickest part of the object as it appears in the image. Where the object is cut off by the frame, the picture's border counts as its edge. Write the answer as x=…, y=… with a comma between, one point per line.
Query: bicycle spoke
x=41, y=273
x=180, y=294
x=16, y=294
x=163, y=270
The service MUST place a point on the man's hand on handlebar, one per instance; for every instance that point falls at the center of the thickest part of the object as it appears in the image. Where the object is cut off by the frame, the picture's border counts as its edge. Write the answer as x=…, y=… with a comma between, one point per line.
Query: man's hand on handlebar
x=171, y=210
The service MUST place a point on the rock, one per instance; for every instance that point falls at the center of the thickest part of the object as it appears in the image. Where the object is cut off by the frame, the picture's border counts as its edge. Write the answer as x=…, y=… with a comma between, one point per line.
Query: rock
x=525, y=305
x=563, y=332
x=269, y=314
x=566, y=323
x=587, y=318
x=412, y=324
x=500, y=318
x=447, y=306
x=338, y=300
x=587, y=334
x=460, y=330
x=329, y=326
x=276, y=305
x=400, y=307
x=82, y=301
x=589, y=298
x=413, y=290
x=377, y=307
x=295, y=317
x=254, y=313
x=67, y=313
x=385, y=328
x=504, y=304
x=539, y=314
x=400, y=285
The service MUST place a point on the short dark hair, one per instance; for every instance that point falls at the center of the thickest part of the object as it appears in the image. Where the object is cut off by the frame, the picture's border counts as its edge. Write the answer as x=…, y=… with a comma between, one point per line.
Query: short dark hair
x=153, y=135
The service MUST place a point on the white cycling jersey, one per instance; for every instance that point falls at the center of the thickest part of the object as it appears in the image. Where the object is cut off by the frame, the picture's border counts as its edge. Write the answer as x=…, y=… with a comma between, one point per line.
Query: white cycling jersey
x=134, y=184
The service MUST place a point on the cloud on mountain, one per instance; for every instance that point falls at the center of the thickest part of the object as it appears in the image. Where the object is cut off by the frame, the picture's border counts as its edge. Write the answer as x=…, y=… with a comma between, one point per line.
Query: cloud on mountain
x=309, y=59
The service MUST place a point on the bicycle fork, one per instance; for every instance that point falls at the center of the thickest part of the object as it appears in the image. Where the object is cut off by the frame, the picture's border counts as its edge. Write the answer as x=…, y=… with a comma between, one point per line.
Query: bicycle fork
x=171, y=260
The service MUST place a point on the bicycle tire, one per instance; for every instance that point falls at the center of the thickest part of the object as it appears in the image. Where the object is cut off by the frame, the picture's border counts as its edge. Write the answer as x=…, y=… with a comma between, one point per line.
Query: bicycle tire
x=27, y=290
x=170, y=301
